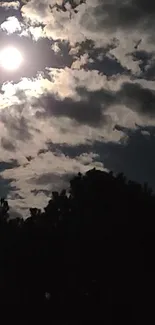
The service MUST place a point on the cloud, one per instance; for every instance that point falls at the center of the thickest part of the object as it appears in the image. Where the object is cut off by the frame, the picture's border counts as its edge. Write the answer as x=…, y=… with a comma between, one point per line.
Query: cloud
x=124, y=14
x=48, y=178
x=145, y=60
x=17, y=127
x=11, y=25
x=37, y=32
x=100, y=21
x=36, y=192
x=38, y=174
x=84, y=112
x=7, y=144
x=74, y=104
x=81, y=62
x=59, y=82
x=126, y=155
x=94, y=17
x=85, y=143
x=12, y=4
x=87, y=98
x=88, y=106
x=133, y=155
x=55, y=47
x=138, y=98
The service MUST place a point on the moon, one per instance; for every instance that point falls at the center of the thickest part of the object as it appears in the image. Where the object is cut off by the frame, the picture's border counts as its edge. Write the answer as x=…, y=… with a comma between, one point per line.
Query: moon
x=10, y=58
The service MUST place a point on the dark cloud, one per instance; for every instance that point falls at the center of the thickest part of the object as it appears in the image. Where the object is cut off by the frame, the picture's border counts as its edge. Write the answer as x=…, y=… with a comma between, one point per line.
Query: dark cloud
x=16, y=196
x=49, y=178
x=81, y=112
x=18, y=128
x=124, y=14
x=89, y=46
x=7, y=144
x=87, y=111
x=90, y=110
x=66, y=149
x=146, y=60
x=137, y=98
x=149, y=72
x=100, y=58
x=143, y=57
x=53, y=181
x=36, y=192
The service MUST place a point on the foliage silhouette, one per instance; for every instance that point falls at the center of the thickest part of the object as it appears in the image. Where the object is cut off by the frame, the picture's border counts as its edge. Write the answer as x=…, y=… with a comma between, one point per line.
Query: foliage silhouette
x=92, y=247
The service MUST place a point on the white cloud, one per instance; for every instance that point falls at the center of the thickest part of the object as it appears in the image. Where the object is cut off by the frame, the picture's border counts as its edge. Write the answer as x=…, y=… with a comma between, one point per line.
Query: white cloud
x=55, y=47
x=11, y=25
x=12, y=4
x=81, y=61
x=36, y=32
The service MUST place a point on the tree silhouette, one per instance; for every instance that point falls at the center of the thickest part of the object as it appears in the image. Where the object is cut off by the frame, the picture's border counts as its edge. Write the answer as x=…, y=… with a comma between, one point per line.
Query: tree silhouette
x=89, y=249
x=4, y=208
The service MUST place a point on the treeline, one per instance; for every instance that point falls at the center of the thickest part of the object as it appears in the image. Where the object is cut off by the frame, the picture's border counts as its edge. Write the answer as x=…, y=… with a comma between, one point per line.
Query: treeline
x=91, y=249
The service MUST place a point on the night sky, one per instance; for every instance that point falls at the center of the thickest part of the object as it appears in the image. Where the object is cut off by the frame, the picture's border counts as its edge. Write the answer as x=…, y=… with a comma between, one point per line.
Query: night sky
x=82, y=97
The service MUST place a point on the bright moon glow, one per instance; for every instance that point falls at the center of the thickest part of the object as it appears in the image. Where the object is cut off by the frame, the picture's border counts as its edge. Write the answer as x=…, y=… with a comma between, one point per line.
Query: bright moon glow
x=10, y=58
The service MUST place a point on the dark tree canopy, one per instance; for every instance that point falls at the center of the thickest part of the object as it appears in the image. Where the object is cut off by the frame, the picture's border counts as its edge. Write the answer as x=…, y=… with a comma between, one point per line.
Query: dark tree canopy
x=89, y=253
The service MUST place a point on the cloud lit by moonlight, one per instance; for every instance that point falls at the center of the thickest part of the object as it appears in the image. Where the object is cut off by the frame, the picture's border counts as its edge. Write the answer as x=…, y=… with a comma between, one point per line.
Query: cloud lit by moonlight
x=10, y=58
